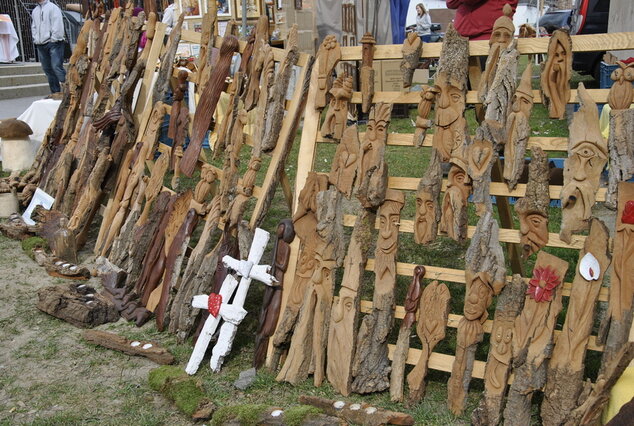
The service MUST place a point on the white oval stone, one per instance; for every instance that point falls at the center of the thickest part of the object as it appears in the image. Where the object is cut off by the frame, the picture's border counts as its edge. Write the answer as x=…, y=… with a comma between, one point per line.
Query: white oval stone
x=339, y=405
x=90, y=295
x=589, y=267
x=135, y=344
x=65, y=265
x=355, y=407
x=147, y=346
x=73, y=268
x=59, y=262
x=370, y=410
x=276, y=413
x=81, y=286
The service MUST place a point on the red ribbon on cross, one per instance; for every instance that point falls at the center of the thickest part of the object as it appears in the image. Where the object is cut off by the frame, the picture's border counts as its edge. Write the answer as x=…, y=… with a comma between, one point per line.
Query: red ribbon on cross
x=213, y=304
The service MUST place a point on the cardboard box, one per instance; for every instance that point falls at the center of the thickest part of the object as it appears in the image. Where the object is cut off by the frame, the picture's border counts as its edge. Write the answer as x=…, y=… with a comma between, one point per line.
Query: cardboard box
x=421, y=76
x=391, y=76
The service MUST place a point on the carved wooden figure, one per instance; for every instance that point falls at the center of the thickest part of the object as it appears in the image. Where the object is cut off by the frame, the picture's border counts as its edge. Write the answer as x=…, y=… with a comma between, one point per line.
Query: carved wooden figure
x=328, y=55
x=532, y=210
x=481, y=157
x=501, y=38
x=620, y=312
x=432, y=322
x=371, y=366
x=345, y=309
x=587, y=155
x=207, y=105
x=167, y=62
x=498, y=367
x=428, y=213
x=412, y=48
x=451, y=83
x=402, y=344
x=367, y=72
x=556, y=73
x=565, y=382
x=485, y=275
x=533, y=335
x=345, y=163
x=267, y=79
x=272, y=299
x=337, y=114
x=453, y=221
x=256, y=64
x=179, y=116
x=244, y=192
x=423, y=123
x=177, y=154
x=154, y=187
x=621, y=139
x=518, y=129
x=372, y=168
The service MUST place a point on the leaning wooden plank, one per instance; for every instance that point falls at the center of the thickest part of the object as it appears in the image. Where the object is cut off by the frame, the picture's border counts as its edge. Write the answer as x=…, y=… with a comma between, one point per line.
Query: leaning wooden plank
x=149, y=350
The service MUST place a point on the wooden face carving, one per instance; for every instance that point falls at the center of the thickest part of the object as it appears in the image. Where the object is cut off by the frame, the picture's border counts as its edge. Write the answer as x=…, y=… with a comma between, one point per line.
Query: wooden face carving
x=458, y=180
x=478, y=296
x=386, y=246
x=344, y=165
x=425, y=218
x=502, y=36
x=375, y=137
x=533, y=230
x=344, y=306
x=450, y=106
x=322, y=274
x=388, y=227
x=622, y=93
x=435, y=296
x=556, y=74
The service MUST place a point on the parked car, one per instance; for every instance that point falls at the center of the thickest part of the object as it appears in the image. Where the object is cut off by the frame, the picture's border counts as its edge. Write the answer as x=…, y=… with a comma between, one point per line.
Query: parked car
x=589, y=17
x=555, y=19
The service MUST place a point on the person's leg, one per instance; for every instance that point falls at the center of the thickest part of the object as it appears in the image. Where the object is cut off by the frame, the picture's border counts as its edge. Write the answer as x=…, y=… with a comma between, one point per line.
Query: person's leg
x=45, y=59
x=57, y=61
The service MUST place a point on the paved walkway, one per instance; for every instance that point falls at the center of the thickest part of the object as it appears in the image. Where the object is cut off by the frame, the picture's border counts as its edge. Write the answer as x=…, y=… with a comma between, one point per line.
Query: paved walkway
x=11, y=108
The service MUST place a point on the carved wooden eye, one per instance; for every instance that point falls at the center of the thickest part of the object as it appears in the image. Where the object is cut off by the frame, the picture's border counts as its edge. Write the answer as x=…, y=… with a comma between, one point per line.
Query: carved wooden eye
x=616, y=74
x=456, y=97
x=629, y=74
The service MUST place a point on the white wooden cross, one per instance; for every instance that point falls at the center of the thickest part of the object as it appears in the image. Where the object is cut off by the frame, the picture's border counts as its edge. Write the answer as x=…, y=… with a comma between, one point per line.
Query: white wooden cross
x=233, y=313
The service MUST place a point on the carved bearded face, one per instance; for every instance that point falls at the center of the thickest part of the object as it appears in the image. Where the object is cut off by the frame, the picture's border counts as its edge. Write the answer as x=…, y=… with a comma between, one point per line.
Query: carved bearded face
x=450, y=103
x=582, y=172
x=478, y=297
x=425, y=217
x=522, y=103
x=534, y=232
x=502, y=36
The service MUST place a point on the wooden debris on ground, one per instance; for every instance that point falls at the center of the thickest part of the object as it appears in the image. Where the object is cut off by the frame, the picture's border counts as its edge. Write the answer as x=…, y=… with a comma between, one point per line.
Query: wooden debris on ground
x=364, y=414
x=151, y=350
x=78, y=304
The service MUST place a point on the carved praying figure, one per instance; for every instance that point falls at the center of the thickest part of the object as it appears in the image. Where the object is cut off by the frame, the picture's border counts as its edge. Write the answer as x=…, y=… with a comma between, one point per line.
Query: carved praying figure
x=345, y=164
x=372, y=166
x=587, y=155
x=427, y=207
x=622, y=93
x=412, y=48
x=337, y=114
x=518, y=129
x=453, y=221
x=555, y=79
x=533, y=208
x=327, y=57
x=451, y=84
x=501, y=38
x=367, y=72
x=427, y=99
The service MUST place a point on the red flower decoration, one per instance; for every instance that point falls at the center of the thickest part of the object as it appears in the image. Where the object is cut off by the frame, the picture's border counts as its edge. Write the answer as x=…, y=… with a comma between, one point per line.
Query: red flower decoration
x=541, y=286
x=628, y=213
x=213, y=304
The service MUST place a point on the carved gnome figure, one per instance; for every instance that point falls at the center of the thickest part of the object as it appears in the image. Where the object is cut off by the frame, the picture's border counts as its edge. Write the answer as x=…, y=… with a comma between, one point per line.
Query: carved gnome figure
x=16, y=148
x=501, y=38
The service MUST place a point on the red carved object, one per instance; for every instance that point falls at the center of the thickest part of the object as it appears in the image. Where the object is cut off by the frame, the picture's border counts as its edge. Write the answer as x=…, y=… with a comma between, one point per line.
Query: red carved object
x=541, y=286
x=628, y=213
x=213, y=304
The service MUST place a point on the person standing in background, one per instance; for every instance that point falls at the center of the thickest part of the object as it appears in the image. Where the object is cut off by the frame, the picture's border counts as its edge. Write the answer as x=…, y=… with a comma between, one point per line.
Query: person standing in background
x=475, y=18
x=423, y=22
x=47, y=28
x=169, y=16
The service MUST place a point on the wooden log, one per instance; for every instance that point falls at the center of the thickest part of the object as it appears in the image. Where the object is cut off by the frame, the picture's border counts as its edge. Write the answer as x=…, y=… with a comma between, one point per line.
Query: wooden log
x=57, y=267
x=364, y=414
x=556, y=74
x=337, y=114
x=151, y=350
x=267, y=78
x=587, y=155
x=428, y=211
x=328, y=55
x=77, y=304
x=533, y=336
x=371, y=365
x=498, y=367
x=485, y=277
x=564, y=382
x=412, y=48
x=167, y=61
x=207, y=105
x=399, y=356
x=432, y=321
x=621, y=151
x=345, y=309
x=532, y=210
x=367, y=72
x=256, y=64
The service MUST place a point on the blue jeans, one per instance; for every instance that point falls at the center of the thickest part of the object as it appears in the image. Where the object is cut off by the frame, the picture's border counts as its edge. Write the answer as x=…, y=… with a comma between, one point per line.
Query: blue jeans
x=52, y=58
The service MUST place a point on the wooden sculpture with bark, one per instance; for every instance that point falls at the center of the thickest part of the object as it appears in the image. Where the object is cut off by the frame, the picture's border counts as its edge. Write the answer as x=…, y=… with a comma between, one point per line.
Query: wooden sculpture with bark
x=371, y=367
x=453, y=221
x=481, y=155
x=621, y=139
x=423, y=123
x=345, y=309
x=328, y=55
x=566, y=368
x=501, y=38
x=305, y=224
x=498, y=367
x=402, y=344
x=518, y=129
x=411, y=50
x=450, y=132
x=307, y=352
x=428, y=211
x=431, y=326
x=485, y=275
x=256, y=64
x=533, y=336
x=345, y=163
x=367, y=72
x=337, y=114
x=587, y=155
x=372, y=168
x=556, y=73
